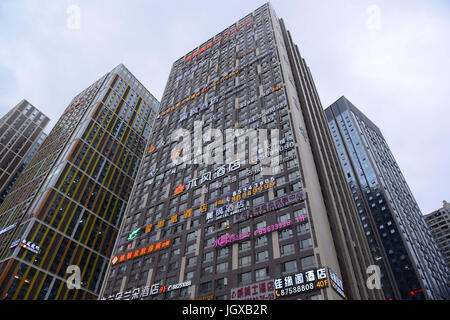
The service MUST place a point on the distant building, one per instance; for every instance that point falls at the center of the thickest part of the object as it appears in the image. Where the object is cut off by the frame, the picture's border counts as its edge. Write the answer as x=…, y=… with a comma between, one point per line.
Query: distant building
x=439, y=223
x=21, y=134
x=398, y=237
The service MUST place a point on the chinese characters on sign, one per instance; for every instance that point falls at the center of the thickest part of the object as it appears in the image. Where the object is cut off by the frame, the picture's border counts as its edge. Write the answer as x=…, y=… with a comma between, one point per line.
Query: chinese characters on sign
x=140, y=252
x=301, y=282
x=259, y=291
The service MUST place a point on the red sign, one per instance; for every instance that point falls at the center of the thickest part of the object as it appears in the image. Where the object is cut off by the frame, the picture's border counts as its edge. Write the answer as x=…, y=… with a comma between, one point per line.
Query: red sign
x=140, y=252
x=209, y=45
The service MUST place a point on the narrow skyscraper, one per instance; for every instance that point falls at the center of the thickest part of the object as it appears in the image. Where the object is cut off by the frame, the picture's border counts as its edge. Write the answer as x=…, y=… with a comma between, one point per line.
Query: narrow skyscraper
x=399, y=239
x=60, y=220
x=240, y=194
x=21, y=133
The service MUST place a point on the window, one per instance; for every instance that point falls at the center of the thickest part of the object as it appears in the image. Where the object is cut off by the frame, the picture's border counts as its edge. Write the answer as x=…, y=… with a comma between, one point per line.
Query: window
x=207, y=270
x=173, y=266
x=258, y=200
x=191, y=236
x=243, y=246
x=192, y=262
x=284, y=217
x=176, y=252
x=261, y=241
x=289, y=267
x=190, y=275
x=221, y=284
x=245, y=278
x=245, y=229
x=285, y=234
x=260, y=225
x=205, y=287
x=210, y=242
x=190, y=248
x=303, y=228
x=223, y=252
x=208, y=256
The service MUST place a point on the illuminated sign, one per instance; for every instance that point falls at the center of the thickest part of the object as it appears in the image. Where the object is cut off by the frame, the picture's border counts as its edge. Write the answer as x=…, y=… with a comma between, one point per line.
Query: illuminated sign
x=209, y=45
x=242, y=193
x=26, y=245
x=336, y=284
x=230, y=238
x=301, y=282
x=141, y=252
x=211, y=297
x=208, y=176
x=264, y=290
x=134, y=234
x=200, y=92
x=269, y=206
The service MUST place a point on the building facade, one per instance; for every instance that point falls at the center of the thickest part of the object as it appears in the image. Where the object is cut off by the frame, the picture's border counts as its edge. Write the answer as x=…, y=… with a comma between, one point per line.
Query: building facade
x=211, y=219
x=62, y=215
x=439, y=224
x=400, y=242
x=21, y=133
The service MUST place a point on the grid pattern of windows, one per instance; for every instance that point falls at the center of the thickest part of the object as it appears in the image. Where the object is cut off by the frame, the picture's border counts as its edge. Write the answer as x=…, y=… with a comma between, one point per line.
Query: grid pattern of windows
x=79, y=201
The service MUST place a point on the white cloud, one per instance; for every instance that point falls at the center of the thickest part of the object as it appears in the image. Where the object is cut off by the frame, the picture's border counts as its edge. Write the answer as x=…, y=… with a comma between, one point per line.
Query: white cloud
x=396, y=74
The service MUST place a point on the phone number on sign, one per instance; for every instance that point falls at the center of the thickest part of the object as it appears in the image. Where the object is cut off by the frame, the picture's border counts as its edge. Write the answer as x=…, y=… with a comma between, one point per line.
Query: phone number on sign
x=294, y=290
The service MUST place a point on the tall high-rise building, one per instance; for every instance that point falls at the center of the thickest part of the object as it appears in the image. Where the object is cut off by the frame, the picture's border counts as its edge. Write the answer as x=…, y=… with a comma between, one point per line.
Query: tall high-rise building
x=21, y=133
x=401, y=244
x=240, y=194
x=63, y=214
x=439, y=223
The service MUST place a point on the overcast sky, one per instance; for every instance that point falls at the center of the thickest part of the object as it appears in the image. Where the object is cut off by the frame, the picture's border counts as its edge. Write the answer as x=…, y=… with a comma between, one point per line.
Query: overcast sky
x=389, y=58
